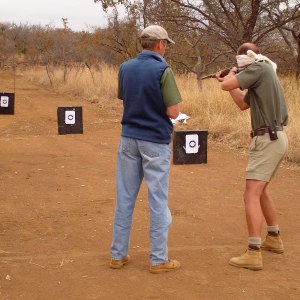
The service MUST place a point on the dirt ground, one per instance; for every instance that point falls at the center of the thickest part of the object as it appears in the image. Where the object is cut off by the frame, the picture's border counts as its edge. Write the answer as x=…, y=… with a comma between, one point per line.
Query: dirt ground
x=57, y=195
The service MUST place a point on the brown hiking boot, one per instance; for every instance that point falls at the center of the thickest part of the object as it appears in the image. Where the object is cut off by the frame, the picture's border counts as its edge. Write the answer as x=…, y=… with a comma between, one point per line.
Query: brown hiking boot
x=119, y=263
x=170, y=265
x=273, y=243
x=251, y=259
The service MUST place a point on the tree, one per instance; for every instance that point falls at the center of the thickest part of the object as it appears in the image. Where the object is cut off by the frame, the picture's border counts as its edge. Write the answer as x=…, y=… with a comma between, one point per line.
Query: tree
x=233, y=22
x=190, y=43
x=6, y=45
x=226, y=24
x=121, y=36
x=289, y=31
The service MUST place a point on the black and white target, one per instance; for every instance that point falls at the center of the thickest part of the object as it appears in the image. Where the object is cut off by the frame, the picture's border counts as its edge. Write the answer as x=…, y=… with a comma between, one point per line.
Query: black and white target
x=191, y=143
x=190, y=147
x=7, y=103
x=69, y=120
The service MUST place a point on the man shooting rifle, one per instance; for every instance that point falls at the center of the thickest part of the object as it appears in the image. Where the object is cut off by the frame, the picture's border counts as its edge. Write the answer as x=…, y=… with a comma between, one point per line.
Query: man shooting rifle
x=268, y=146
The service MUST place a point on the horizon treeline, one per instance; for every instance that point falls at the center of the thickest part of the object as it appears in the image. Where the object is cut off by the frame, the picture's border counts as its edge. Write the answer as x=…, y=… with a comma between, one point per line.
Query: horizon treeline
x=207, y=36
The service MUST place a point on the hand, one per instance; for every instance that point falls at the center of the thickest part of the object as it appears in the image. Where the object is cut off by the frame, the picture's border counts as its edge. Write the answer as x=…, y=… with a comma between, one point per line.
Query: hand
x=218, y=76
x=223, y=75
x=233, y=71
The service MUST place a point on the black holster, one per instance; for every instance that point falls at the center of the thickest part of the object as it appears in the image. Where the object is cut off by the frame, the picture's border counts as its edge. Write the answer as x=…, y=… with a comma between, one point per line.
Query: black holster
x=272, y=133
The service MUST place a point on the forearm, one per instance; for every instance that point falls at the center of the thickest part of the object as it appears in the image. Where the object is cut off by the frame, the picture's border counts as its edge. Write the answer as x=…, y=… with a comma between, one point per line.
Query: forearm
x=238, y=98
x=231, y=84
x=173, y=111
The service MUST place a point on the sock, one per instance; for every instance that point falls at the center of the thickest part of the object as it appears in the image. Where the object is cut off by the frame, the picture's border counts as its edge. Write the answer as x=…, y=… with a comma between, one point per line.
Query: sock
x=273, y=229
x=254, y=242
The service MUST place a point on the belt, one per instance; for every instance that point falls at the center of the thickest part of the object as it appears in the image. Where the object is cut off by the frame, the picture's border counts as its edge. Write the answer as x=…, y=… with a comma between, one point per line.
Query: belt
x=264, y=130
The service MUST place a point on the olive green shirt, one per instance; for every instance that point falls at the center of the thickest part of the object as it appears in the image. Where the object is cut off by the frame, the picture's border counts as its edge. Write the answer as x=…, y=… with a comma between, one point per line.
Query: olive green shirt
x=264, y=96
x=169, y=89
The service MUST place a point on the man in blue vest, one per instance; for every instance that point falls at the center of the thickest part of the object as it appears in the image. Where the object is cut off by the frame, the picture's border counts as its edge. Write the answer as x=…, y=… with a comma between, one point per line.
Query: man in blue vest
x=150, y=98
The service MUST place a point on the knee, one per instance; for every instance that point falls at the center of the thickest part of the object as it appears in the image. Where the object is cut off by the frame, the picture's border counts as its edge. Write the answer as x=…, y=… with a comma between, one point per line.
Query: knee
x=162, y=220
x=251, y=196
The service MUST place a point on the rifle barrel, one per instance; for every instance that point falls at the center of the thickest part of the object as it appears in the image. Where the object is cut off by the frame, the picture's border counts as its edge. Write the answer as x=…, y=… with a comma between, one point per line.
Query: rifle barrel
x=213, y=75
x=224, y=72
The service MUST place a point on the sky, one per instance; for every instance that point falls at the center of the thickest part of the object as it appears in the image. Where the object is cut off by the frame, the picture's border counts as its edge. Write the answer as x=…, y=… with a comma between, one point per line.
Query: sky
x=81, y=14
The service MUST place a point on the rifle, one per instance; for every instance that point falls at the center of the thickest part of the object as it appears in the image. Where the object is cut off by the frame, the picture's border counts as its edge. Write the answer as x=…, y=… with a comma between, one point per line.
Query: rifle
x=224, y=72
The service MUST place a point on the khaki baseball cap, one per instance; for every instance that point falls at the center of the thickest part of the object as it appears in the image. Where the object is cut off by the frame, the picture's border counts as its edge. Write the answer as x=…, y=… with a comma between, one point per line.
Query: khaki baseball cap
x=154, y=33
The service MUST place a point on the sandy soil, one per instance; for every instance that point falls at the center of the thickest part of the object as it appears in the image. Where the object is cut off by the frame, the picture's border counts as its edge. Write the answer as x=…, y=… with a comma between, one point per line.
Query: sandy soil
x=57, y=195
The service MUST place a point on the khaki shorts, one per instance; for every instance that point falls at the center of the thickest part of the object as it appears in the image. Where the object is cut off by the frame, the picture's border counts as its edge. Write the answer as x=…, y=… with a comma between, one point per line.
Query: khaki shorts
x=265, y=156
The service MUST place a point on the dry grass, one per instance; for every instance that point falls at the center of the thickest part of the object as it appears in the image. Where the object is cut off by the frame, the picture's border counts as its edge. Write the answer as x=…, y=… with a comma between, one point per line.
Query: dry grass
x=292, y=93
x=209, y=108
x=96, y=86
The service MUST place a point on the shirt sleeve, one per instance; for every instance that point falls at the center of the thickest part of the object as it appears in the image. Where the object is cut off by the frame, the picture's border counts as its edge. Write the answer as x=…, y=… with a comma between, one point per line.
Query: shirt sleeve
x=248, y=77
x=169, y=89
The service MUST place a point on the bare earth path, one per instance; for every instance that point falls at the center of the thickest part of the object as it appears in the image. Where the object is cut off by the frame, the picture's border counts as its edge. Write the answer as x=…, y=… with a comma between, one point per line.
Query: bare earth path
x=57, y=197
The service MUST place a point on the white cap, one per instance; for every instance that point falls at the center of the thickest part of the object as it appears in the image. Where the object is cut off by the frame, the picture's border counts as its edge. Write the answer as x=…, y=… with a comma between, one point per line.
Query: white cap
x=154, y=33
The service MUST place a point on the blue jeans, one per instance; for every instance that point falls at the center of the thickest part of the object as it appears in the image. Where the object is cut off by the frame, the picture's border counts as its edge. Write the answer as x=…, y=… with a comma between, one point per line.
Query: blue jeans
x=139, y=159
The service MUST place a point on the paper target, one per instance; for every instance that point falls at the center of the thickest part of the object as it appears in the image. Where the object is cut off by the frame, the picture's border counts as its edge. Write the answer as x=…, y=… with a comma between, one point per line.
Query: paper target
x=191, y=143
x=4, y=101
x=70, y=117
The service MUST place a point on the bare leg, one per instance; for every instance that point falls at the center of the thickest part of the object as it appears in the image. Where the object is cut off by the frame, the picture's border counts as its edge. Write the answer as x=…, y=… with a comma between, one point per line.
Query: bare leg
x=254, y=214
x=252, y=258
x=268, y=208
x=273, y=241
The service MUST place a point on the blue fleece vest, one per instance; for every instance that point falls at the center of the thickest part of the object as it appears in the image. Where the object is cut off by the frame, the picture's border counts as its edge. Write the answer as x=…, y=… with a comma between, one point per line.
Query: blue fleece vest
x=144, y=116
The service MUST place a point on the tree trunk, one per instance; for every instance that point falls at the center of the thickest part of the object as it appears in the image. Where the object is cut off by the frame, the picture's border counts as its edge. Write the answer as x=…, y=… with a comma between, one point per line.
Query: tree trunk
x=298, y=58
x=50, y=74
